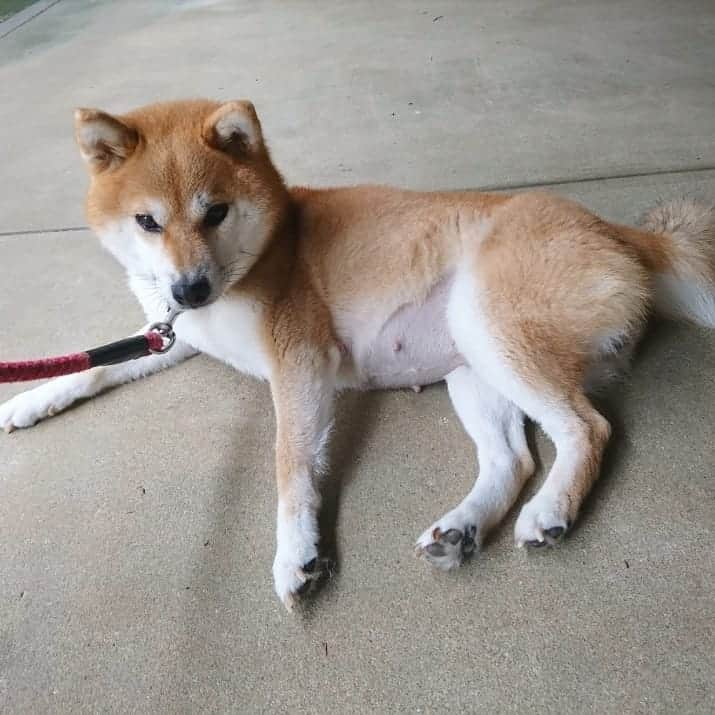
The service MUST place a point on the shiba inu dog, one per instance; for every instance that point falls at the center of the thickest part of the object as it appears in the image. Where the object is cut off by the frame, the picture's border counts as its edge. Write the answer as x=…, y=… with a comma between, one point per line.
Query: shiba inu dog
x=520, y=302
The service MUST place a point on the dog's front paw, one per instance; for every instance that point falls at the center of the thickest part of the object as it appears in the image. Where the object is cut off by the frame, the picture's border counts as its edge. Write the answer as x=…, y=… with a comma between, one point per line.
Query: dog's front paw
x=543, y=521
x=26, y=409
x=447, y=543
x=293, y=579
x=50, y=398
x=297, y=566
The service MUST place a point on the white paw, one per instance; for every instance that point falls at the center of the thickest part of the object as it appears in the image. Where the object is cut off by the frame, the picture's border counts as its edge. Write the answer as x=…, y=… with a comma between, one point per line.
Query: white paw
x=28, y=408
x=542, y=521
x=293, y=580
x=297, y=565
x=446, y=543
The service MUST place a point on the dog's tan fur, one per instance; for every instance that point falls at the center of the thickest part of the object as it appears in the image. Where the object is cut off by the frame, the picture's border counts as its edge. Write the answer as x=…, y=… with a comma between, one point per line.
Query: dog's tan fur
x=552, y=289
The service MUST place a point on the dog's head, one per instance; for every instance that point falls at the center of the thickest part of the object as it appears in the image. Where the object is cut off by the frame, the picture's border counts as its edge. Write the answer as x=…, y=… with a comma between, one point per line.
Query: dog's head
x=183, y=194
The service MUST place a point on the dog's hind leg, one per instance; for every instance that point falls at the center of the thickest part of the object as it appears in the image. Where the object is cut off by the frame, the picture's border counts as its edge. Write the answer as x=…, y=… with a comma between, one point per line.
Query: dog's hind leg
x=580, y=434
x=497, y=427
x=549, y=389
x=537, y=300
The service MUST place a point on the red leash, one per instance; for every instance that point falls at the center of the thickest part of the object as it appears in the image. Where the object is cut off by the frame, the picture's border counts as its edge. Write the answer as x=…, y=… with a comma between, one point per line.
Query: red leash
x=158, y=339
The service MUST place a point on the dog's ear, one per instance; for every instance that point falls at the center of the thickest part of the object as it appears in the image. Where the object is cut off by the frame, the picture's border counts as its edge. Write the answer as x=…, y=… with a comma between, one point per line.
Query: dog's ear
x=234, y=128
x=104, y=141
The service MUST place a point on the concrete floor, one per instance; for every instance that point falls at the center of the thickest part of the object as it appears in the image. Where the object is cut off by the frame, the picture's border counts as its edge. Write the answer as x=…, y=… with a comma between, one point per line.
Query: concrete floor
x=136, y=544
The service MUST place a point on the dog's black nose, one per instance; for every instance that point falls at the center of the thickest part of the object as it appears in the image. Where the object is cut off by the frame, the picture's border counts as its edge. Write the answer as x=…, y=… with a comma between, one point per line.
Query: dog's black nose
x=191, y=294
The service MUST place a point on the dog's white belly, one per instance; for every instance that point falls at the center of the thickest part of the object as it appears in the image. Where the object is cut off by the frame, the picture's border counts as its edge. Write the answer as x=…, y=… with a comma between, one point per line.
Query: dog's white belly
x=229, y=330
x=413, y=347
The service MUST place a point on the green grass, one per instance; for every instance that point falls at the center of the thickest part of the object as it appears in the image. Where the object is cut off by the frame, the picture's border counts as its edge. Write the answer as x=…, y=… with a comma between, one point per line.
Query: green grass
x=10, y=7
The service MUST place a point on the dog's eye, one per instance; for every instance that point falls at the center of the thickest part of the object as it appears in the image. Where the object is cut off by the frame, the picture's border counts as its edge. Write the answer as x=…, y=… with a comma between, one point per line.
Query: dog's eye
x=215, y=214
x=147, y=222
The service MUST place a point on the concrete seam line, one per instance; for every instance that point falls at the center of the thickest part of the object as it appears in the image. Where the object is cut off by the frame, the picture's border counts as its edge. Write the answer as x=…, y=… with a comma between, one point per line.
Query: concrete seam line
x=19, y=19
x=29, y=231
x=590, y=179
x=502, y=187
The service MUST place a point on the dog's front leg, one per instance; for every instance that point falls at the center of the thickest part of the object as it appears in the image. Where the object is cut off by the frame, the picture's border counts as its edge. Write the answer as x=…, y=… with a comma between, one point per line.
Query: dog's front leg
x=50, y=398
x=303, y=392
x=54, y=396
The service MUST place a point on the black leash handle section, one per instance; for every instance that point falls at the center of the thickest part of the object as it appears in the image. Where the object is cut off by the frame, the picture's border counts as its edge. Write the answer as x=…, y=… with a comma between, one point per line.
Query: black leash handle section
x=120, y=351
x=157, y=340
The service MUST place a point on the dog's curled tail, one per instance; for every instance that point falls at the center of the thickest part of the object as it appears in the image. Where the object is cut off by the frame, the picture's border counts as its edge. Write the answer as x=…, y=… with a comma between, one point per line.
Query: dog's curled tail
x=676, y=242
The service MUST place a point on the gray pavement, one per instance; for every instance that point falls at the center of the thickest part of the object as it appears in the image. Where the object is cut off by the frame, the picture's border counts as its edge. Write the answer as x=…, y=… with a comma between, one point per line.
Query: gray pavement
x=136, y=540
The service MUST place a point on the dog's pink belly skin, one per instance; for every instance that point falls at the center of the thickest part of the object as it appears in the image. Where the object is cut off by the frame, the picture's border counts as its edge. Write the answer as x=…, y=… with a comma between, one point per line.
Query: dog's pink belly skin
x=413, y=347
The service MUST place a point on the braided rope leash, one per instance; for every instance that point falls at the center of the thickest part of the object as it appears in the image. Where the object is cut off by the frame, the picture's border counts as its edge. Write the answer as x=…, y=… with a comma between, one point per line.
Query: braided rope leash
x=158, y=339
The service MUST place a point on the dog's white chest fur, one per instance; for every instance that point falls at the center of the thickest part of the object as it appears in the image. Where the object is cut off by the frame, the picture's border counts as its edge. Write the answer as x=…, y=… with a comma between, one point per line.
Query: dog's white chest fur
x=230, y=331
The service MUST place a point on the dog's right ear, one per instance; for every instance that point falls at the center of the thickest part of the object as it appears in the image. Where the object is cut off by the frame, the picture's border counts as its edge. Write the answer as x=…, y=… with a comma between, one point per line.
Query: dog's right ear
x=104, y=141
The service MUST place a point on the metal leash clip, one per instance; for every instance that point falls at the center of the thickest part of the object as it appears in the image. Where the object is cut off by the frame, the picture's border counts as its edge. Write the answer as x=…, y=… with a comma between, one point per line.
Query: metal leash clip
x=166, y=330
x=168, y=336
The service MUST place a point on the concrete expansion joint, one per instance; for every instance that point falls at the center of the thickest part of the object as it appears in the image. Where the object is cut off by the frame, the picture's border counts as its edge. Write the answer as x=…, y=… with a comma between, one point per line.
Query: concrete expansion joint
x=499, y=187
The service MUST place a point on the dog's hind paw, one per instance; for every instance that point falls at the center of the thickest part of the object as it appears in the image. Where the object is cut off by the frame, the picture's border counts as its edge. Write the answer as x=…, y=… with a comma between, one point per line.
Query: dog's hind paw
x=542, y=522
x=446, y=548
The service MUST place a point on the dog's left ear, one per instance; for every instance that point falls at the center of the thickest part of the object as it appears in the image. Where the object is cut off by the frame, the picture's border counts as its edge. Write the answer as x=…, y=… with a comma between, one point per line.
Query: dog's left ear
x=234, y=128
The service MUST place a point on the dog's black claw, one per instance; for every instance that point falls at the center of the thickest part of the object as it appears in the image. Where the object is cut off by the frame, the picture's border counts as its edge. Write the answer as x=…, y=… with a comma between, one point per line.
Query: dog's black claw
x=316, y=571
x=555, y=531
x=453, y=536
x=536, y=544
x=468, y=541
x=303, y=588
x=435, y=549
